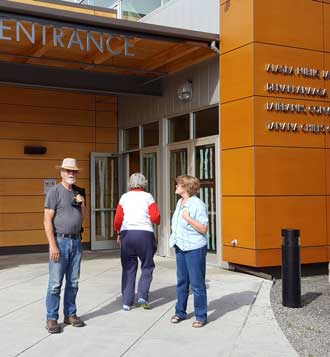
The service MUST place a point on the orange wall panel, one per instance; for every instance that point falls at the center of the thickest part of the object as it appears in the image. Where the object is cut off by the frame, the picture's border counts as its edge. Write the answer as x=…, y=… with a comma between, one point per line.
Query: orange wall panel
x=69, y=125
x=10, y=149
x=36, y=169
x=27, y=131
x=239, y=255
x=46, y=115
x=295, y=23
x=106, y=135
x=326, y=19
x=238, y=221
x=232, y=35
x=327, y=82
x=310, y=255
x=238, y=171
x=19, y=238
x=268, y=257
x=290, y=171
x=46, y=98
x=328, y=220
x=281, y=178
x=327, y=168
x=237, y=123
x=30, y=187
x=237, y=74
x=307, y=213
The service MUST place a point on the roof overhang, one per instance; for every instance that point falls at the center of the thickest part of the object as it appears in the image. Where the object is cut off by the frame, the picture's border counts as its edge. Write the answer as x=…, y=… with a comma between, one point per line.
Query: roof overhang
x=134, y=53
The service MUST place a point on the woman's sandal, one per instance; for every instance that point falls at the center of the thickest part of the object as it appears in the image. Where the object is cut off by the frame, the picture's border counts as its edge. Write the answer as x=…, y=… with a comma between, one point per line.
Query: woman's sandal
x=198, y=323
x=176, y=319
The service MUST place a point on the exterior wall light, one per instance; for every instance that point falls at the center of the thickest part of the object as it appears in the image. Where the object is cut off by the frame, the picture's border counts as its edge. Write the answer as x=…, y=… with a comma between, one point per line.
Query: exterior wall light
x=185, y=91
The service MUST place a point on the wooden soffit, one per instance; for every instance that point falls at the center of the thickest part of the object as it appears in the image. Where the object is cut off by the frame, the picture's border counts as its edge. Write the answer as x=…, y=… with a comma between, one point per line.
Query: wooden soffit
x=63, y=39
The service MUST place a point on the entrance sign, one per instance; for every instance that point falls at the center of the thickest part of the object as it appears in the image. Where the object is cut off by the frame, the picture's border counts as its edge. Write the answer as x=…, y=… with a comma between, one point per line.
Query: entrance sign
x=64, y=37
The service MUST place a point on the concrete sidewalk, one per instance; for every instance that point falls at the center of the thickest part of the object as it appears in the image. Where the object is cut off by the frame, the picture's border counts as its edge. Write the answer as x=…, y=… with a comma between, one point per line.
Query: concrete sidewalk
x=241, y=322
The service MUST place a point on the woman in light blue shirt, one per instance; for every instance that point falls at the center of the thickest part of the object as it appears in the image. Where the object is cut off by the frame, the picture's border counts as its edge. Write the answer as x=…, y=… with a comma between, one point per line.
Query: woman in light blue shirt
x=189, y=238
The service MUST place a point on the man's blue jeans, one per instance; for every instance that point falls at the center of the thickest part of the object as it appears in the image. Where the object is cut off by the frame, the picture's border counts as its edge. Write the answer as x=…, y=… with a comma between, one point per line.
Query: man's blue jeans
x=68, y=265
x=191, y=266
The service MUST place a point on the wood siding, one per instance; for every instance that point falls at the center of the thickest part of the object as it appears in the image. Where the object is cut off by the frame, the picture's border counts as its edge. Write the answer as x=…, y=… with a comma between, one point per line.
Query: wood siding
x=68, y=125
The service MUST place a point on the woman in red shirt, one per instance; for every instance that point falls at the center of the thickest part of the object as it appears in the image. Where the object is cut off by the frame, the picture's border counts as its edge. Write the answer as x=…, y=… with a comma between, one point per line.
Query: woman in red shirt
x=135, y=215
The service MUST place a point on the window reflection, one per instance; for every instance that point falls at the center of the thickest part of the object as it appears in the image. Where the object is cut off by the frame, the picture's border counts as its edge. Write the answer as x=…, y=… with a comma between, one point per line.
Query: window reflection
x=178, y=128
x=206, y=122
x=131, y=138
x=150, y=134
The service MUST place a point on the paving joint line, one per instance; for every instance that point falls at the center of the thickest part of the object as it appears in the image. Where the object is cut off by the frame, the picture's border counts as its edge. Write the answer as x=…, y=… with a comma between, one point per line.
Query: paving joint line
x=146, y=331
x=246, y=319
x=22, y=283
x=42, y=298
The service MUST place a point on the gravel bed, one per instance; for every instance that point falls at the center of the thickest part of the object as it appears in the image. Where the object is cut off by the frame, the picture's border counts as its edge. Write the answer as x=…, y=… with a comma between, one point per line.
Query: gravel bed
x=307, y=328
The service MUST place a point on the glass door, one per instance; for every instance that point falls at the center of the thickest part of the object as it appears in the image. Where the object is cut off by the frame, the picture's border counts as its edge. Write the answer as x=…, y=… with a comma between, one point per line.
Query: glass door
x=106, y=187
x=178, y=163
x=205, y=169
x=205, y=172
x=198, y=158
x=149, y=168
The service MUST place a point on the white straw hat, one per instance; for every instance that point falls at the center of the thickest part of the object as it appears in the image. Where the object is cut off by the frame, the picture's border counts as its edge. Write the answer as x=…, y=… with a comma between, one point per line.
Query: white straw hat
x=69, y=164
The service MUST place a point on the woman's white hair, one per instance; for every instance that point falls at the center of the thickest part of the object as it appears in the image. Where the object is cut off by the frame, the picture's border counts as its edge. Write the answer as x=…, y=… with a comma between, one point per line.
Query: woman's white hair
x=137, y=180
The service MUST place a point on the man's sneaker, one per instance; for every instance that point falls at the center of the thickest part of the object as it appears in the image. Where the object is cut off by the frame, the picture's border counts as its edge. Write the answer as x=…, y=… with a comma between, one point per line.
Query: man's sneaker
x=74, y=321
x=126, y=307
x=143, y=303
x=53, y=327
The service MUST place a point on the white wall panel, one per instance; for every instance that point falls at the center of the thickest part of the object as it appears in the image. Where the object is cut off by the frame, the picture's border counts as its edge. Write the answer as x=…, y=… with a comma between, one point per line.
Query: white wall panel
x=197, y=15
x=136, y=110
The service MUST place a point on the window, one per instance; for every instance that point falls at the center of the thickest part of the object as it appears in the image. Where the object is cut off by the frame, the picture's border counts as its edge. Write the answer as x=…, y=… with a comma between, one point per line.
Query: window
x=136, y=9
x=178, y=128
x=150, y=134
x=131, y=138
x=99, y=3
x=206, y=122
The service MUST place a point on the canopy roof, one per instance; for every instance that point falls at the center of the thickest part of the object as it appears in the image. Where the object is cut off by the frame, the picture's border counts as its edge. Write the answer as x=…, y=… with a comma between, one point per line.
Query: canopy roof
x=65, y=40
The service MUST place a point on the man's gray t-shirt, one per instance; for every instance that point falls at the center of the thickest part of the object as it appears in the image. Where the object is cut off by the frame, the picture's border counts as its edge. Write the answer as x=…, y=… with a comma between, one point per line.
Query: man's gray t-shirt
x=67, y=219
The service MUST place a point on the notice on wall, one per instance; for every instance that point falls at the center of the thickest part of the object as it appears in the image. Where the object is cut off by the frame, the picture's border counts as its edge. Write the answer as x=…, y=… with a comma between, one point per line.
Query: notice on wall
x=48, y=184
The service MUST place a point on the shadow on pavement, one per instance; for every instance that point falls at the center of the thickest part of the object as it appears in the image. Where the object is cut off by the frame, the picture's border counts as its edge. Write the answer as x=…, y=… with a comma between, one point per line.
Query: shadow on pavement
x=217, y=308
x=157, y=298
x=309, y=297
x=104, y=310
x=220, y=307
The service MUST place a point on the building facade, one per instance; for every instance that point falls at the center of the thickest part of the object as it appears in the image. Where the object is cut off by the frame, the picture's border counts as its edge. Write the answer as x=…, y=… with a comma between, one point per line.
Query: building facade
x=121, y=96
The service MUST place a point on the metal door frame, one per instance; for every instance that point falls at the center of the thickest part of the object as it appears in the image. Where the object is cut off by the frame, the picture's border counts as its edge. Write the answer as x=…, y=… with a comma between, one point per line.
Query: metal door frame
x=167, y=221
x=159, y=198
x=214, y=259
x=190, y=145
x=121, y=179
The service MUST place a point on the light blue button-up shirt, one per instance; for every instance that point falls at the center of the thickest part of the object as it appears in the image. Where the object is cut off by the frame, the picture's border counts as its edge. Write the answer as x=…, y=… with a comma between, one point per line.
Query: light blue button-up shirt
x=183, y=234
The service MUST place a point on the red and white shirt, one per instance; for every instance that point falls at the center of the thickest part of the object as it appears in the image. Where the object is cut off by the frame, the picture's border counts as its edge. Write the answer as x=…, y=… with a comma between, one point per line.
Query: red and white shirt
x=136, y=210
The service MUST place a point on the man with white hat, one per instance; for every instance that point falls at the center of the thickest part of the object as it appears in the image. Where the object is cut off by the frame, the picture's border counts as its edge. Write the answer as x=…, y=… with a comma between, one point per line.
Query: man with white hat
x=65, y=211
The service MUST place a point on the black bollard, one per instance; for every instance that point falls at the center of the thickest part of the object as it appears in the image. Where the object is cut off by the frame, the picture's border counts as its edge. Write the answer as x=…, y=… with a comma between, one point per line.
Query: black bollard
x=291, y=269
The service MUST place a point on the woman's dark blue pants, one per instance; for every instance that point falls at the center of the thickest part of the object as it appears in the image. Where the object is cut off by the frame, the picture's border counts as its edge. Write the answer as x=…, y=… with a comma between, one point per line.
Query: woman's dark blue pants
x=136, y=244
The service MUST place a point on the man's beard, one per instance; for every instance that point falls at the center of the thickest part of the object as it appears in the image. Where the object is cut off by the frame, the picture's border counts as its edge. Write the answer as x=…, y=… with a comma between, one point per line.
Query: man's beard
x=70, y=180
